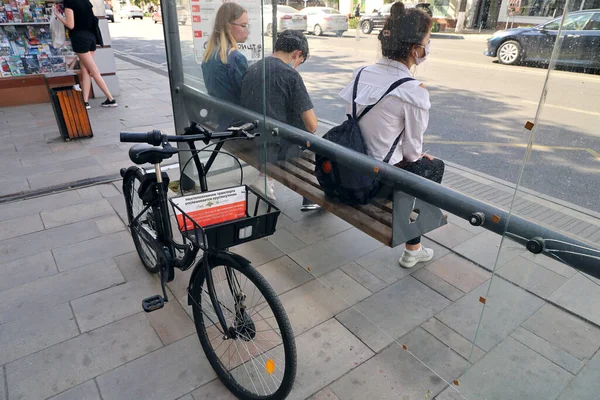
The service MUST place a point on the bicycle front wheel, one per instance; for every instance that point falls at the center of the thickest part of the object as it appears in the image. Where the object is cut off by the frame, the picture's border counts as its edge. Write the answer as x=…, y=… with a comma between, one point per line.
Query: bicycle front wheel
x=146, y=220
x=256, y=357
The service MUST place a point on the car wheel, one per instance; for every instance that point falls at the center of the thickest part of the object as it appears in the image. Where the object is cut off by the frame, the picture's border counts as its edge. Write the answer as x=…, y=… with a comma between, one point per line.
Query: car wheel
x=318, y=30
x=339, y=33
x=510, y=53
x=366, y=27
x=270, y=30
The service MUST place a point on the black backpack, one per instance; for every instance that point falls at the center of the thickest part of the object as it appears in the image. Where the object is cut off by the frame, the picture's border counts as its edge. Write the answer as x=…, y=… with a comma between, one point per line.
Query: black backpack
x=339, y=181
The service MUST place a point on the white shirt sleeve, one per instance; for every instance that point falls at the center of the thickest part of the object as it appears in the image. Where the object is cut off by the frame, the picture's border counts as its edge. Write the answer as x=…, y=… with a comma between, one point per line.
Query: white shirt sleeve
x=415, y=124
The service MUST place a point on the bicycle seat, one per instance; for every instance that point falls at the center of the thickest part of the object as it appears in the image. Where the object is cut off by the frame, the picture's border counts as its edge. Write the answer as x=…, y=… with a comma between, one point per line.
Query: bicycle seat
x=144, y=153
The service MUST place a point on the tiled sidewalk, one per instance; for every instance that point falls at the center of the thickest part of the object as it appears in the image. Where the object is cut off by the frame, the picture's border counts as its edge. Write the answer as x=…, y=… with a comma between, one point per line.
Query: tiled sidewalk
x=71, y=325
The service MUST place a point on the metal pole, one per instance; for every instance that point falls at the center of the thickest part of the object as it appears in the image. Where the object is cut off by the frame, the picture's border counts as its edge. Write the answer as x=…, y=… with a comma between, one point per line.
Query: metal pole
x=579, y=255
x=176, y=81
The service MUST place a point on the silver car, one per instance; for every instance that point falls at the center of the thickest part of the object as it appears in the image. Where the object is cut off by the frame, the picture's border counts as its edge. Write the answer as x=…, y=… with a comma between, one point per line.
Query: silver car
x=287, y=18
x=325, y=19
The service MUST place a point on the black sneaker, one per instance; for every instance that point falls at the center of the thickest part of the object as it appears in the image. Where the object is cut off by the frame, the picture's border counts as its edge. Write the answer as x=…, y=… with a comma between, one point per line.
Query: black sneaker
x=87, y=106
x=109, y=103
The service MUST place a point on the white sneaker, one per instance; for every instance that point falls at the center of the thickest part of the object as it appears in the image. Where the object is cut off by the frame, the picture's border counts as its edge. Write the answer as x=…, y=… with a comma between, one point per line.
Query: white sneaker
x=271, y=190
x=408, y=260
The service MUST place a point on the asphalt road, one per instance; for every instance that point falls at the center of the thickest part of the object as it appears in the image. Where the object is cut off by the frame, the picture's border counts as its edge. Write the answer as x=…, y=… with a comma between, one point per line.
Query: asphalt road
x=479, y=108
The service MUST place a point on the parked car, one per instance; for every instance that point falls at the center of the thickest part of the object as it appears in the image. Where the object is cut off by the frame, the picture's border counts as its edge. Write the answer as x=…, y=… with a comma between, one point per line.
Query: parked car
x=131, y=12
x=287, y=18
x=580, y=46
x=182, y=15
x=325, y=19
x=108, y=13
x=376, y=19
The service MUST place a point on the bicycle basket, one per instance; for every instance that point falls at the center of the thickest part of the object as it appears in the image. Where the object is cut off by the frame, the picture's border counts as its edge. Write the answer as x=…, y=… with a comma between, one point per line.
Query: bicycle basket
x=224, y=218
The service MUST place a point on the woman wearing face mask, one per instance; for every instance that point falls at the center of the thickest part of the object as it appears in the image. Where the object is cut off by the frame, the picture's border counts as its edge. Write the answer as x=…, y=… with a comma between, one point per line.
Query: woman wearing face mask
x=223, y=66
x=402, y=116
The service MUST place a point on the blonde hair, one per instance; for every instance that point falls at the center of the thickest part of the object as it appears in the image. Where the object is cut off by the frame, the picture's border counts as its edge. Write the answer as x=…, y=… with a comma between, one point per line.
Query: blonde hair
x=221, y=41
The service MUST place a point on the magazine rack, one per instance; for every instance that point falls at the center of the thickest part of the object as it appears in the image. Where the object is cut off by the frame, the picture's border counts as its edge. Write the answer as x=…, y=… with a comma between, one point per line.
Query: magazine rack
x=260, y=221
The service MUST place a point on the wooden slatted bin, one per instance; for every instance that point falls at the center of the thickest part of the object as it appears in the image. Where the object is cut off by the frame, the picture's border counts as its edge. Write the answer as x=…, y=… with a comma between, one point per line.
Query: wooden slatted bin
x=70, y=112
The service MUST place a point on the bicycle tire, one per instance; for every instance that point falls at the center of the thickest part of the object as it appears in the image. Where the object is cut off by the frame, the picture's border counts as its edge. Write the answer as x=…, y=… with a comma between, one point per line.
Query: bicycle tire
x=134, y=205
x=278, y=313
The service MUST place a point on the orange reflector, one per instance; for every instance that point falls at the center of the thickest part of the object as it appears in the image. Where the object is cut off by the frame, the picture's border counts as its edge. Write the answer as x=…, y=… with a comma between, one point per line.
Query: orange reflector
x=270, y=366
x=326, y=167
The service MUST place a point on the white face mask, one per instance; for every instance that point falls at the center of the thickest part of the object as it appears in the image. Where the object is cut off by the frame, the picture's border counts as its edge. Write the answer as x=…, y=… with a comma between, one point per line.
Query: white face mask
x=419, y=60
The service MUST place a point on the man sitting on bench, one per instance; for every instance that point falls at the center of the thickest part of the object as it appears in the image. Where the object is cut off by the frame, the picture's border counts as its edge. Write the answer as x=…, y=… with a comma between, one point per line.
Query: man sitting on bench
x=287, y=98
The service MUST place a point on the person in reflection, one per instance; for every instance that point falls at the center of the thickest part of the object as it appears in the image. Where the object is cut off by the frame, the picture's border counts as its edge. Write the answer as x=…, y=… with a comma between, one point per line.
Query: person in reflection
x=287, y=98
x=223, y=66
x=404, y=43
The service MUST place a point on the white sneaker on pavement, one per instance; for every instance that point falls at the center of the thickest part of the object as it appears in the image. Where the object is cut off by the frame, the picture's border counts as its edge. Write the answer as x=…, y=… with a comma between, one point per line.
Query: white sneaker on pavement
x=258, y=185
x=410, y=260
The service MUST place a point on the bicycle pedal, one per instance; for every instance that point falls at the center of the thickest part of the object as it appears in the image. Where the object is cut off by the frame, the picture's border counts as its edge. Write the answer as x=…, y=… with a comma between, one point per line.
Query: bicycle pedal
x=153, y=303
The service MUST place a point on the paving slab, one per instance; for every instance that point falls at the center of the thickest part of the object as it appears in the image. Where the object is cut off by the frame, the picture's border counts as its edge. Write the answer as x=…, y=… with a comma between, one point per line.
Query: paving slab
x=484, y=248
x=27, y=269
x=450, y=235
x=3, y=389
x=513, y=371
x=344, y=286
x=459, y=272
x=35, y=332
x=87, y=252
x=14, y=228
x=213, y=390
x=317, y=226
x=112, y=304
x=44, y=294
x=568, y=332
x=335, y=251
x=131, y=266
x=533, y=277
x=392, y=312
x=259, y=252
x=85, y=391
x=579, y=295
x=110, y=224
x=506, y=307
x=586, y=385
x=172, y=323
x=453, y=340
x=438, y=284
x=284, y=274
x=70, y=363
x=364, y=277
x=38, y=242
x=285, y=241
x=548, y=350
x=325, y=394
x=165, y=374
x=383, y=262
x=76, y=213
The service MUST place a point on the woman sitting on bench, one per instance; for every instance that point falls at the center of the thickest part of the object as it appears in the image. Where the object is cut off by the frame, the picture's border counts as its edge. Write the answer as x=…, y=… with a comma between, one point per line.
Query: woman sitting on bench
x=404, y=44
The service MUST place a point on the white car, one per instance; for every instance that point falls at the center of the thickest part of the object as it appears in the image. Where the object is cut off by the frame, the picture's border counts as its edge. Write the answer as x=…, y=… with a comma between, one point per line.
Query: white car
x=325, y=19
x=131, y=12
x=287, y=18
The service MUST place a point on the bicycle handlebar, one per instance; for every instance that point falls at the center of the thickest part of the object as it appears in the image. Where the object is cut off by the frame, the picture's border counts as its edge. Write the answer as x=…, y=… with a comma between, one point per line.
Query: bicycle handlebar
x=156, y=137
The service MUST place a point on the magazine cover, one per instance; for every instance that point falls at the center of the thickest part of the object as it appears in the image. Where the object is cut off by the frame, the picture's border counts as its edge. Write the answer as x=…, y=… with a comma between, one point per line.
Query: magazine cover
x=16, y=65
x=3, y=18
x=4, y=47
x=30, y=64
x=4, y=67
x=18, y=46
x=58, y=64
x=45, y=65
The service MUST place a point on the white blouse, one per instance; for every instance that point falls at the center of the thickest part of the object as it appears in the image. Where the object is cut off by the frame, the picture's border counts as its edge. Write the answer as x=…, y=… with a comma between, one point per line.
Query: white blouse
x=406, y=107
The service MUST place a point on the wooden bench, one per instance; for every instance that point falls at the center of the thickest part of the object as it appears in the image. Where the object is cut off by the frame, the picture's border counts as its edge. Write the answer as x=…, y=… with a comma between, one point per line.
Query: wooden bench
x=390, y=222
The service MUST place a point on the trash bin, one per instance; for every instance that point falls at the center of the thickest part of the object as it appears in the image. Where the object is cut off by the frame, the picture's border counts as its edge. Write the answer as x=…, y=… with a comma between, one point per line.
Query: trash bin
x=71, y=115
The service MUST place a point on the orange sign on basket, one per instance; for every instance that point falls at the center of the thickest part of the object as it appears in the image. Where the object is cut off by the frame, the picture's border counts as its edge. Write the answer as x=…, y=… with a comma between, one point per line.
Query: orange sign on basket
x=211, y=208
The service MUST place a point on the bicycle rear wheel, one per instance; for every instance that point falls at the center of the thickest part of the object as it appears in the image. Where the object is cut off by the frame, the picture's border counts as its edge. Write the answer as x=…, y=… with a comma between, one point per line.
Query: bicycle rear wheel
x=147, y=221
x=256, y=358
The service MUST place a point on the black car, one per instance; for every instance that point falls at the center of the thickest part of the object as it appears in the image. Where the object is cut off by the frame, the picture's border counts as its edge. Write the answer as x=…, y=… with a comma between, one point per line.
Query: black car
x=376, y=19
x=580, y=47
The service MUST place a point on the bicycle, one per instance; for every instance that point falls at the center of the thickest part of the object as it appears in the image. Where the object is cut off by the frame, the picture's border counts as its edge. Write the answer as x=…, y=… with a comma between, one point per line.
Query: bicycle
x=259, y=361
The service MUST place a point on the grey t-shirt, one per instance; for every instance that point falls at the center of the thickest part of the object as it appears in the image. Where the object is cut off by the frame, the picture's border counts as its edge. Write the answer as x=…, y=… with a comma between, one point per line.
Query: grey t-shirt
x=287, y=97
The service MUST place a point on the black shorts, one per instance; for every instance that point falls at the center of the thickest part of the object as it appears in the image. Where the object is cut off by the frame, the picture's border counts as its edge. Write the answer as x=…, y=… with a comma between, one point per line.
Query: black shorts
x=83, y=41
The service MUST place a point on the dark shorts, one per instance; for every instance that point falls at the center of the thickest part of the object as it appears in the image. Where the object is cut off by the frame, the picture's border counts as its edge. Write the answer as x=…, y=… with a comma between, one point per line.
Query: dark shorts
x=83, y=41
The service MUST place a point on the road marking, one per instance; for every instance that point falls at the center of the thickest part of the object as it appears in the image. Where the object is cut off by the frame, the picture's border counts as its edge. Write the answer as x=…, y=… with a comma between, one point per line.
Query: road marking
x=519, y=70
x=564, y=108
x=542, y=147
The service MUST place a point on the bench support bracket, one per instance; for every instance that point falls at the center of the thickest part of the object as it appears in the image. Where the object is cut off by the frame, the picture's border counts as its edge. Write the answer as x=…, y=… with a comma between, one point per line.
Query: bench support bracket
x=405, y=226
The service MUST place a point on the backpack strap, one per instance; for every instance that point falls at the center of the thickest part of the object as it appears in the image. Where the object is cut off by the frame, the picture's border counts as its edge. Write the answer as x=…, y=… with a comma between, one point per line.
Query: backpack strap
x=388, y=156
x=392, y=87
x=354, y=91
